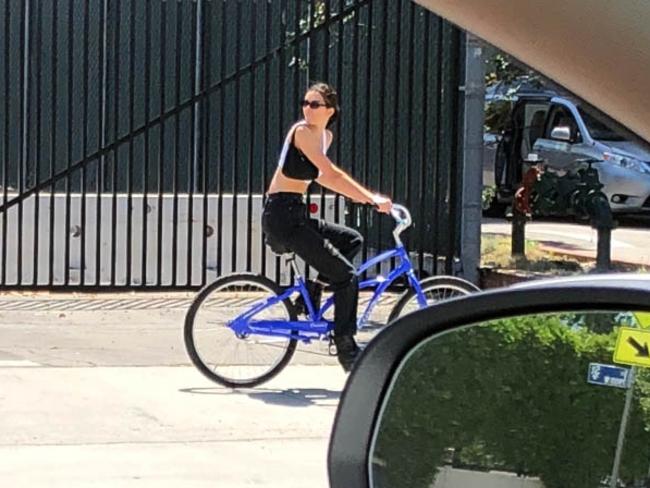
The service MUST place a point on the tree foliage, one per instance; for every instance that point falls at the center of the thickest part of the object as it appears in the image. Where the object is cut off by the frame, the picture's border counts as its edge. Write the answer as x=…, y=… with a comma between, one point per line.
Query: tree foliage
x=501, y=67
x=510, y=76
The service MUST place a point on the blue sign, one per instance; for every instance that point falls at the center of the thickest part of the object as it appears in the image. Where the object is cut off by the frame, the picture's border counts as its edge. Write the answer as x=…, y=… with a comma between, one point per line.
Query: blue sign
x=608, y=375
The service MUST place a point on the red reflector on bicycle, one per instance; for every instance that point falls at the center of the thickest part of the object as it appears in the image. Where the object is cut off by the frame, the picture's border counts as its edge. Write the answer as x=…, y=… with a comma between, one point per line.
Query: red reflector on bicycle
x=313, y=208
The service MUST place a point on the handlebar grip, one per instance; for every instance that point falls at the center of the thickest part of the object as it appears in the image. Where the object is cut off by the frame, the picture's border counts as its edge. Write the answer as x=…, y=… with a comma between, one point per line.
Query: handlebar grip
x=397, y=214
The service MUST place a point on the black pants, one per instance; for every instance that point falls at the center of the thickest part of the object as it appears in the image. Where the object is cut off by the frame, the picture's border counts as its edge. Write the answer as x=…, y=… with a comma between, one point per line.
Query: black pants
x=328, y=248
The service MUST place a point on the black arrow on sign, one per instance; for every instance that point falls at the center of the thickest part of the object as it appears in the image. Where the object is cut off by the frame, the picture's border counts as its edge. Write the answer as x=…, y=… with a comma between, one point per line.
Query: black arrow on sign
x=641, y=350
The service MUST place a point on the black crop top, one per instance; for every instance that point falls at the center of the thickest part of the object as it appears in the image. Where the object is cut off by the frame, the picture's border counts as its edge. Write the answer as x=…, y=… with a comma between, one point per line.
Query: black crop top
x=294, y=163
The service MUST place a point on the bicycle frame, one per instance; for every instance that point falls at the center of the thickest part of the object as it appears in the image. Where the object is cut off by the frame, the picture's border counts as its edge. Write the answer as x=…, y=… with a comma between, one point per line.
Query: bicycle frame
x=316, y=327
x=381, y=283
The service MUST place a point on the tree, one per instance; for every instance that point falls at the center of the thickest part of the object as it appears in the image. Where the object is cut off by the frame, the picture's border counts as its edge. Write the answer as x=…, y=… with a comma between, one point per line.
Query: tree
x=509, y=76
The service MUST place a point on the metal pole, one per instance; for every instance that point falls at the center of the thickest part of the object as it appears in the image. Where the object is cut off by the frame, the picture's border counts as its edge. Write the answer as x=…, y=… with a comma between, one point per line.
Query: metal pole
x=621, y=432
x=198, y=68
x=23, y=165
x=604, y=250
x=518, y=234
x=473, y=154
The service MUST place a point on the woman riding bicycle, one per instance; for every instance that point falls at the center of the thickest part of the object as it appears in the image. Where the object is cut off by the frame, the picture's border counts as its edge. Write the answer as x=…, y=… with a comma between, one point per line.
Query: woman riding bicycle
x=328, y=248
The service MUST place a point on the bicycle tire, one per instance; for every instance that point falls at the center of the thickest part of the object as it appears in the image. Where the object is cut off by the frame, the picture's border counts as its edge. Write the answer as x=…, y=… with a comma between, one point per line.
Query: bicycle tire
x=443, y=287
x=245, y=287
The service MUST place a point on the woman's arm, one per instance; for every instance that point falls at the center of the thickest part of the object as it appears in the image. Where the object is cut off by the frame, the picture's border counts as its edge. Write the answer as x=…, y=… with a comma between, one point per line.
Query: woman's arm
x=333, y=177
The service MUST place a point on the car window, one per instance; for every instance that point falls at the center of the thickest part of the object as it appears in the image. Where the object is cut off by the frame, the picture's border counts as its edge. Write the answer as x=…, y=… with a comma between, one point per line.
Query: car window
x=598, y=129
x=534, y=116
x=562, y=117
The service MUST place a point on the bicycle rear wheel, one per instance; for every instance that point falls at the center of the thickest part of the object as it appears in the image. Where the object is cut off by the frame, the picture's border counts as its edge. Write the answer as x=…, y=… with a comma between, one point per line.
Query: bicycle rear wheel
x=436, y=289
x=216, y=350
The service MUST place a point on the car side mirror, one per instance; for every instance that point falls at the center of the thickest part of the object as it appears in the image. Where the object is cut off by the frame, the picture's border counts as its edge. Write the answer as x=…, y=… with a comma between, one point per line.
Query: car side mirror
x=562, y=133
x=542, y=385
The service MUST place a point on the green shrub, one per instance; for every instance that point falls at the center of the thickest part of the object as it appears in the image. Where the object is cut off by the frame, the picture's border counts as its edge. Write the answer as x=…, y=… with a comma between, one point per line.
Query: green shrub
x=513, y=396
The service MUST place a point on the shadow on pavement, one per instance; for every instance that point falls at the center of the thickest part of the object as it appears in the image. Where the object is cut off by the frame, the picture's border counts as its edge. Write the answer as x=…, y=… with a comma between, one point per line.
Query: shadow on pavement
x=290, y=397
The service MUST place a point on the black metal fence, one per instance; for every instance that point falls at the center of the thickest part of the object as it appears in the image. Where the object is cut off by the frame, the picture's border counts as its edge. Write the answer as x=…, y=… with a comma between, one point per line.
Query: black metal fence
x=136, y=137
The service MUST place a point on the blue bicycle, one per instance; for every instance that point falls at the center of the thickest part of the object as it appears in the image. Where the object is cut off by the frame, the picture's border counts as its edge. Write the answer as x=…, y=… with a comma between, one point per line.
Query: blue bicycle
x=242, y=329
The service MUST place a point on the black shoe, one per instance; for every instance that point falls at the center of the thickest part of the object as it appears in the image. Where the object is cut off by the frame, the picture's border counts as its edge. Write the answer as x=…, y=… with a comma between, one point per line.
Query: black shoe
x=315, y=291
x=347, y=351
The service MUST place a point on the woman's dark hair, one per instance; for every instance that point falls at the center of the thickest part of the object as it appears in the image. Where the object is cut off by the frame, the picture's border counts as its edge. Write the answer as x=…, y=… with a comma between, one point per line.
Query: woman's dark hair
x=330, y=96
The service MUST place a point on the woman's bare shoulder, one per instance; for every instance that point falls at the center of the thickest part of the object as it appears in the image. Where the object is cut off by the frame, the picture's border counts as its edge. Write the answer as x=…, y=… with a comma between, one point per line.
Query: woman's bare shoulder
x=305, y=130
x=305, y=134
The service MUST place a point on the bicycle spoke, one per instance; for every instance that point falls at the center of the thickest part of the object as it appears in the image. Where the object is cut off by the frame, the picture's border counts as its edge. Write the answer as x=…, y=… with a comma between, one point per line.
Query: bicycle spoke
x=231, y=359
x=435, y=291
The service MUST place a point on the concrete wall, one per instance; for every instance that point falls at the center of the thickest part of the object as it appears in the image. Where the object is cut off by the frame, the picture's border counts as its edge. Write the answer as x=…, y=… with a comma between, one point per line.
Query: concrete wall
x=233, y=239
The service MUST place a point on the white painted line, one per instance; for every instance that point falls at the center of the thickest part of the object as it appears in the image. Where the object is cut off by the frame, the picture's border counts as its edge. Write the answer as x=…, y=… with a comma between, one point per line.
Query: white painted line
x=17, y=363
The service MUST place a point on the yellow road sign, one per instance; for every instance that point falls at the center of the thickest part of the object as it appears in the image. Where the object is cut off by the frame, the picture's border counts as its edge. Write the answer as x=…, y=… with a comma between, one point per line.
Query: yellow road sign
x=643, y=318
x=632, y=347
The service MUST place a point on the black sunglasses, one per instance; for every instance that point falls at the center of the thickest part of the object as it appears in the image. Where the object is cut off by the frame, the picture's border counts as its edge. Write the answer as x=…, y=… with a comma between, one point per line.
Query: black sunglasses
x=313, y=104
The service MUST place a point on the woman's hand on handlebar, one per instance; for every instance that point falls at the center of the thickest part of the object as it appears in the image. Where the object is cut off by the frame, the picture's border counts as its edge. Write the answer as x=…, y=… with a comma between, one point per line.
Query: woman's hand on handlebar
x=382, y=203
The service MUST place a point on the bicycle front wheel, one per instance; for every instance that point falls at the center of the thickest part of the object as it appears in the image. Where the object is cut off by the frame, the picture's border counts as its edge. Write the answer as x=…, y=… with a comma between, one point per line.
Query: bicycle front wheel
x=436, y=289
x=214, y=348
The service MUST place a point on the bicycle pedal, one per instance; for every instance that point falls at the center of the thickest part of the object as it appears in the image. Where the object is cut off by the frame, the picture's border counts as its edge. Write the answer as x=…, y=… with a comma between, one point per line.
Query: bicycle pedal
x=331, y=349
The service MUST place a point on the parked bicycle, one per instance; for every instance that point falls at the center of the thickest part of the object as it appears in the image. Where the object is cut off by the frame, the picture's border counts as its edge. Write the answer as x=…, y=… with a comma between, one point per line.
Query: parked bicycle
x=242, y=329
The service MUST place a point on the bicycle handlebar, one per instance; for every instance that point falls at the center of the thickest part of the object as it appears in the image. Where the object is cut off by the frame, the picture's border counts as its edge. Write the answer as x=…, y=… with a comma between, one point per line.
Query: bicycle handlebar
x=403, y=219
x=401, y=214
